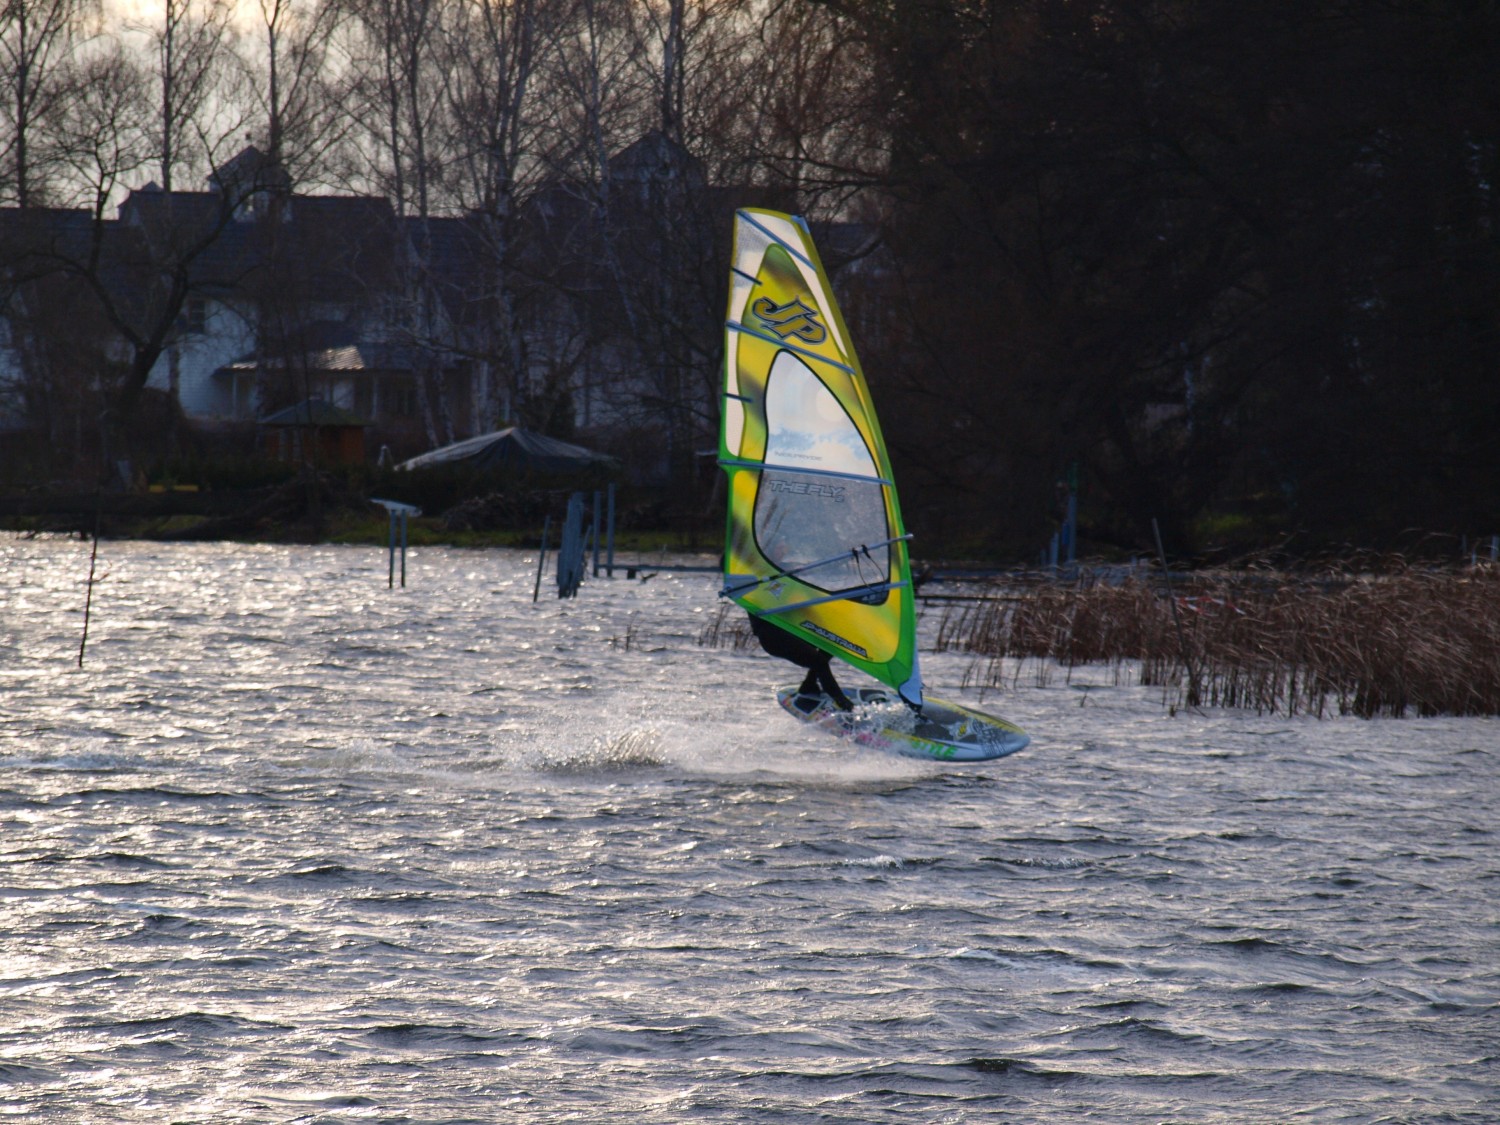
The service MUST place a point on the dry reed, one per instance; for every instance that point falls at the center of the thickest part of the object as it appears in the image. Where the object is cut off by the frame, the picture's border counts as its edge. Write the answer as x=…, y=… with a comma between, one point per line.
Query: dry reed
x=1395, y=644
x=727, y=628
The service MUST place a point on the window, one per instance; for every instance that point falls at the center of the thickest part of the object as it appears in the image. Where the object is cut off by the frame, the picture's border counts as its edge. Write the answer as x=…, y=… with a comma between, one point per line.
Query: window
x=399, y=399
x=195, y=316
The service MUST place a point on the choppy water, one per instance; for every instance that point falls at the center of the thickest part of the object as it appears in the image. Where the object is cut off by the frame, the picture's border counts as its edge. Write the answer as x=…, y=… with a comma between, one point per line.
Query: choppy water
x=294, y=847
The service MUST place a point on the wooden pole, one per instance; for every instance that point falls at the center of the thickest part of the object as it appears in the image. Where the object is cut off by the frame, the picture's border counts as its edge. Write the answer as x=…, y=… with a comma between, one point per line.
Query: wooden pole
x=541, y=557
x=88, y=600
x=610, y=564
x=595, y=531
x=390, y=570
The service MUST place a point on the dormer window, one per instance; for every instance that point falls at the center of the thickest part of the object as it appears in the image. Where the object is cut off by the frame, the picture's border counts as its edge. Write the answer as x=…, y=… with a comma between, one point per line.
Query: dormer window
x=251, y=180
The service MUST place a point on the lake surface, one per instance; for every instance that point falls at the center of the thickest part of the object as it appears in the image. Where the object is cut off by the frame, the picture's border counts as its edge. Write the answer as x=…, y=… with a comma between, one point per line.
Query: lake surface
x=292, y=846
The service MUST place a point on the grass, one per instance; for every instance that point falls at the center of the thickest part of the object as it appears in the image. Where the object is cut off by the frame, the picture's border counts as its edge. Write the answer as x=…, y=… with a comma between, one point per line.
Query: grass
x=1400, y=643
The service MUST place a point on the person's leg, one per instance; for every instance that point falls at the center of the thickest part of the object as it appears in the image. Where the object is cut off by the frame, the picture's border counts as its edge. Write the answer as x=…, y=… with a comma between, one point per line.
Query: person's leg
x=830, y=686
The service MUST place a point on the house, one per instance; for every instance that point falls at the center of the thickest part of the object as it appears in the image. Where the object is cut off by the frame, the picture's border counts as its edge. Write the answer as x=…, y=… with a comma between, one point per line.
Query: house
x=282, y=297
x=596, y=308
x=305, y=296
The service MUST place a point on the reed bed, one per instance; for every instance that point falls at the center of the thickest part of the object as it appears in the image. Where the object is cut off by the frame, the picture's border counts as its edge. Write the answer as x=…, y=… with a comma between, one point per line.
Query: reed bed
x=1397, y=644
x=727, y=628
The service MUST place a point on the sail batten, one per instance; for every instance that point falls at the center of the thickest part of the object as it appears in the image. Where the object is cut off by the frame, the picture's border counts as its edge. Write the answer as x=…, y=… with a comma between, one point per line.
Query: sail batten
x=766, y=466
x=748, y=215
x=815, y=543
x=849, y=592
x=842, y=596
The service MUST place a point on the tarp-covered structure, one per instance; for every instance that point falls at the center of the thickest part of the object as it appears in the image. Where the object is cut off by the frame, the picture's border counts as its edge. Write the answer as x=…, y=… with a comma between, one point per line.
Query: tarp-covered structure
x=513, y=450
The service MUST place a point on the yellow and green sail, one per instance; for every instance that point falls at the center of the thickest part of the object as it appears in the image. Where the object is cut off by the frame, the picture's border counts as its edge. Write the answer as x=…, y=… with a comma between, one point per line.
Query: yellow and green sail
x=815, y=542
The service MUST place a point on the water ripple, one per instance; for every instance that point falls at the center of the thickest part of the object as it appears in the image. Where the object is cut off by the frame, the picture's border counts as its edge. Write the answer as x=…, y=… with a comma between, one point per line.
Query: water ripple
x=296, y=847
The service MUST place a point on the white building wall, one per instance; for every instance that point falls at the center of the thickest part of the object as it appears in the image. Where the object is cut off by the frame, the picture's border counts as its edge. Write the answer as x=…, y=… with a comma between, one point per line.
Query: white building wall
x=190, y=362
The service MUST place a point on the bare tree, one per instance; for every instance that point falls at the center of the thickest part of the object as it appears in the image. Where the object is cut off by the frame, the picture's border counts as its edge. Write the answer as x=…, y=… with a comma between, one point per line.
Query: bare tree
x=654, y=219
x=127, y=278
x=491, y=55
x=808, y=124
x=97, y=135
x=398, y=78
x=296, y=86
x=60, y=385
x=37, y=41
x=670, y=28
x=190, y=46
x=602, y=102
x=399, y=92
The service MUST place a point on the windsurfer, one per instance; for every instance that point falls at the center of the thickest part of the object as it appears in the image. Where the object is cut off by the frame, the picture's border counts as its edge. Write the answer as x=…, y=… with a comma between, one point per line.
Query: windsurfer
x=779, y=643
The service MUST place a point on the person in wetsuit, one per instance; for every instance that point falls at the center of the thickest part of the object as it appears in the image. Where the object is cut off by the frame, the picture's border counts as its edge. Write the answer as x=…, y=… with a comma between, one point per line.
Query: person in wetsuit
x=780, y=643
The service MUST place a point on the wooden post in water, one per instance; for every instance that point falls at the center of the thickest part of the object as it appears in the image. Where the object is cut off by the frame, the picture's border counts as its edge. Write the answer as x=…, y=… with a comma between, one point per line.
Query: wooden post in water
x=595, y=532
x=88, y=600
x=610, y=557
x=541, y=557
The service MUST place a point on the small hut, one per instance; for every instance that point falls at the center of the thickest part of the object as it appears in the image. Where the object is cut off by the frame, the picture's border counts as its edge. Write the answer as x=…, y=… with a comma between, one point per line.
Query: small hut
x=314, y=430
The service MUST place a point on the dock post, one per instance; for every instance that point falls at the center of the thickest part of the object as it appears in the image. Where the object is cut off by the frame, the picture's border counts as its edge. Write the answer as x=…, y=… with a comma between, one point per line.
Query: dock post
x=595, y=531
x=572, y=549
x=395, y=509
x=541, y=557
x=610, y=565
x=390, y=570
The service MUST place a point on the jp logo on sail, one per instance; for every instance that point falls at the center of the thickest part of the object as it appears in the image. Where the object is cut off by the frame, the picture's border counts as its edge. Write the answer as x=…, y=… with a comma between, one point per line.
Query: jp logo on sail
x=791, y=319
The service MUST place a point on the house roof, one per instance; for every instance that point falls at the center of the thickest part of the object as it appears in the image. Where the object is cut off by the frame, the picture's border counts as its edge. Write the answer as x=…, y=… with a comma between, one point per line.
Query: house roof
x=324, y=345
x=455, y=253
x=325, y=247
x=250, y=169
x=657, y=156
x=44, y=231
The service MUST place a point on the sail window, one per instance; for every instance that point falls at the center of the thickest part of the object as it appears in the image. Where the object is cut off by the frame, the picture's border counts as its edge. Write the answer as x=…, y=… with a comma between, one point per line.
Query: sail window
x=820, y=496
x=807, y=427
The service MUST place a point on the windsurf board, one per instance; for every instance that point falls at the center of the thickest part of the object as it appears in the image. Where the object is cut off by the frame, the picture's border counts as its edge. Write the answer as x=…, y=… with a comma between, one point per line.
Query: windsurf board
x=944, y=730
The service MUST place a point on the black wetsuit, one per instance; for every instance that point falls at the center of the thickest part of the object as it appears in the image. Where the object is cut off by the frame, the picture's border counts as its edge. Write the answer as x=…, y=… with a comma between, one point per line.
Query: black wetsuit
x=778, y=642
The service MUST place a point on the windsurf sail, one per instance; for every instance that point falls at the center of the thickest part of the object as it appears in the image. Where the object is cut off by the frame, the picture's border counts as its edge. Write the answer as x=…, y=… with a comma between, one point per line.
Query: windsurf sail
x=815, y=542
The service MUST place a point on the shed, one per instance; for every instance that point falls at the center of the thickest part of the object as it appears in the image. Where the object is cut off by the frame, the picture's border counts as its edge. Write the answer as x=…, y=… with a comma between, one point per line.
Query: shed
x=316, y=429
